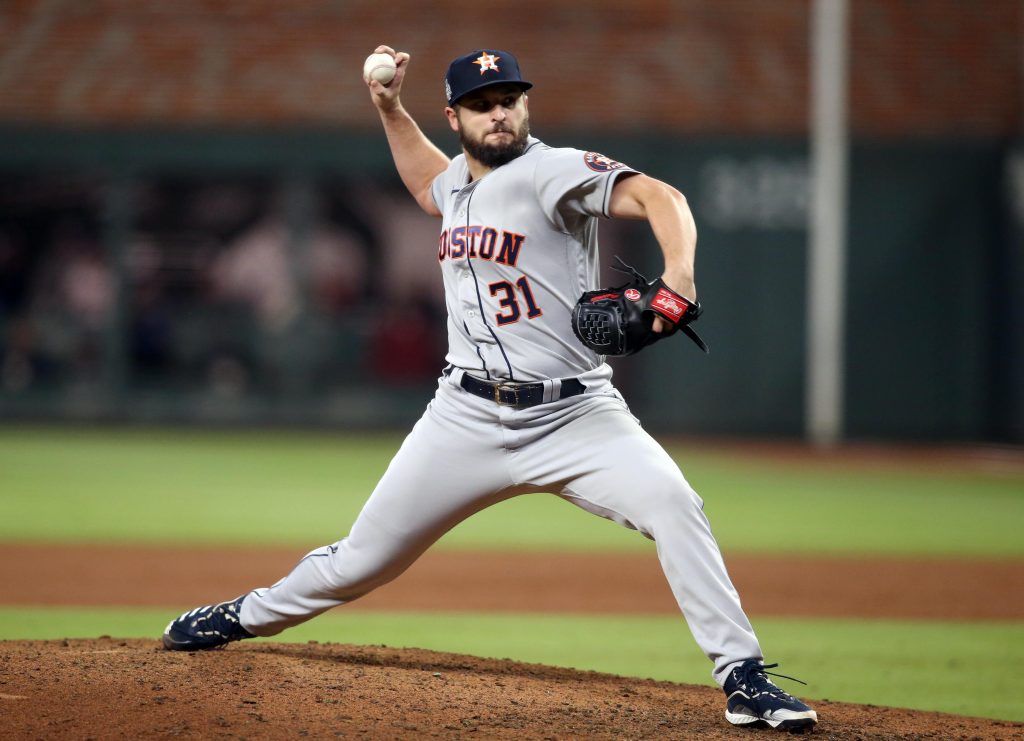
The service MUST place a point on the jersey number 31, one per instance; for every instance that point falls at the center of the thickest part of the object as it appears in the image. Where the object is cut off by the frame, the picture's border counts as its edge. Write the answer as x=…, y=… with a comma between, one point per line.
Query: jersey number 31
x=510, y=304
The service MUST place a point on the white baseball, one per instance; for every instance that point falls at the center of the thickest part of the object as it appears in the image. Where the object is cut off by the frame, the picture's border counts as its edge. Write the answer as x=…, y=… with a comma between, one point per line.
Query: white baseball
x=379, y=67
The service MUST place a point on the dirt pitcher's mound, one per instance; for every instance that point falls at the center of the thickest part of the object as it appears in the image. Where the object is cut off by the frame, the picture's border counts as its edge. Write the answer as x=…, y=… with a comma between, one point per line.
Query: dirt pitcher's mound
x=111, y=688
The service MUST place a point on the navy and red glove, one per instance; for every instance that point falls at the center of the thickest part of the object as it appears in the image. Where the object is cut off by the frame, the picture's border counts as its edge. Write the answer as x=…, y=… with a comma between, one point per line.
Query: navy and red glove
x=619, y=321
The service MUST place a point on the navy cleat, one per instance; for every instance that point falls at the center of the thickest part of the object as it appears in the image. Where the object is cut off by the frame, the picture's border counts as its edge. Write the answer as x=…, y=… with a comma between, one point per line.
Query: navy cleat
x=213, y=626
x=754, y=701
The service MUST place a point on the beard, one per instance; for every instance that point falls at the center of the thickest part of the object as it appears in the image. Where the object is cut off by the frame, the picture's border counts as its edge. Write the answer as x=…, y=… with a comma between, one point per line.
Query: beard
x=496, y=155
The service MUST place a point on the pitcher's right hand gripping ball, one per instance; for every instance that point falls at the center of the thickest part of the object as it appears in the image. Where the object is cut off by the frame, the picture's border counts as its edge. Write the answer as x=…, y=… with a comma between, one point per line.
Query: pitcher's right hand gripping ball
x=618, y=321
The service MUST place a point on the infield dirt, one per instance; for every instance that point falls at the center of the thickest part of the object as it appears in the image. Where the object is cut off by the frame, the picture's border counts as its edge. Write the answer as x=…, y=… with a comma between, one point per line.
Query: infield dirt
x=108, y=688
x=161, y=576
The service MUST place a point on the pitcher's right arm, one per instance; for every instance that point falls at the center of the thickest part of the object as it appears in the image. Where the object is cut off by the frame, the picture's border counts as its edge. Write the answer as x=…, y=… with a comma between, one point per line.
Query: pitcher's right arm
x=417, y=159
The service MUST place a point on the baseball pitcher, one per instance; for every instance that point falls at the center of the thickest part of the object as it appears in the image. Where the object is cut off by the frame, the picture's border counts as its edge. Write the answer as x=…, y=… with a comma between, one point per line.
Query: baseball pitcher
x=525, y=402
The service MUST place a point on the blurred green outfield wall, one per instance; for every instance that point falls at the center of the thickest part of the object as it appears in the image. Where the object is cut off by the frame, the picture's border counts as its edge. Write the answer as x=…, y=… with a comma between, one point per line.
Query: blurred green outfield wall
x=932, y=351
x=934, y=291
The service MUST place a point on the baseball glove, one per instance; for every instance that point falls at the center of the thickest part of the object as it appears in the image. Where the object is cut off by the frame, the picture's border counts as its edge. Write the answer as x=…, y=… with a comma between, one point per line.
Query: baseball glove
x=618, y=321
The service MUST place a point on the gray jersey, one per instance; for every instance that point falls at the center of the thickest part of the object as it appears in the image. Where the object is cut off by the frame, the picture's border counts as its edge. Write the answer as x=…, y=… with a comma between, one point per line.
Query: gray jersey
x=517, y=249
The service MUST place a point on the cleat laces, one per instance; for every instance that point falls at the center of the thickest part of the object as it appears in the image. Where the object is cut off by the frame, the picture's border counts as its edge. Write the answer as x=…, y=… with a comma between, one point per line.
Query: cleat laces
x=755, y=677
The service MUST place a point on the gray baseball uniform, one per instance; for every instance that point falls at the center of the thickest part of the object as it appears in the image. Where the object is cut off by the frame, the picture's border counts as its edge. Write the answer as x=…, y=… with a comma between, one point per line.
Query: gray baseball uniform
x=517, y=248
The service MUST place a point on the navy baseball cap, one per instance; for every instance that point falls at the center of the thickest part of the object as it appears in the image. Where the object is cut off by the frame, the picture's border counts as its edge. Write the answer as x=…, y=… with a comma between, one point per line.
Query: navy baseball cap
x=479, y=69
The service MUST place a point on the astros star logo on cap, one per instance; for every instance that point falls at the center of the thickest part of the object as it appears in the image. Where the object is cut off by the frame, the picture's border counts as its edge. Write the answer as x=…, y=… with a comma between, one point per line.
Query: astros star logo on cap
x=487, y=61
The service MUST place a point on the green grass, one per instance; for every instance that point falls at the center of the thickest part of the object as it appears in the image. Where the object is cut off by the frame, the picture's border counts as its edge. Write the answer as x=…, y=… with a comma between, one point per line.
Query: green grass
x=825, y=509
x=950, y=667
x=280, y=487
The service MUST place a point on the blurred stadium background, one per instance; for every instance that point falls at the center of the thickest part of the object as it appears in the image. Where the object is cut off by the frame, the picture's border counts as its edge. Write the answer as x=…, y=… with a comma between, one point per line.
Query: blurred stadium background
x=200, y=221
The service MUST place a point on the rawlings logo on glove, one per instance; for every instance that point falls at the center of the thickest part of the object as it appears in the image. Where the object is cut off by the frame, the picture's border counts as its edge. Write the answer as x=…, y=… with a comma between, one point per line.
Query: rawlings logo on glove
x=619, y=321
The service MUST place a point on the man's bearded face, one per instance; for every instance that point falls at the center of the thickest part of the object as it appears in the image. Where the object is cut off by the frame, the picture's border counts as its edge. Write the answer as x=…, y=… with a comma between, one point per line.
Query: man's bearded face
x=496, y=151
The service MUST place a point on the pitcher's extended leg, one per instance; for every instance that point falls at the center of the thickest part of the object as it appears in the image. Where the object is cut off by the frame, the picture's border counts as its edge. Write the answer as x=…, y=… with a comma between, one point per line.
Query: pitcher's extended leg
x=449, y=467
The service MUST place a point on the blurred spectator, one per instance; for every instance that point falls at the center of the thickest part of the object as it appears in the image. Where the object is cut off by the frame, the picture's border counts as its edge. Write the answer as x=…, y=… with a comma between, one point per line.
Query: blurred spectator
x=408, y=237
x=71, y=302
x=13, y=270
x=21, y=364
x=256, y=270
x=259, y=269
x=86, y=285
x=405, y=346
x=151, y=331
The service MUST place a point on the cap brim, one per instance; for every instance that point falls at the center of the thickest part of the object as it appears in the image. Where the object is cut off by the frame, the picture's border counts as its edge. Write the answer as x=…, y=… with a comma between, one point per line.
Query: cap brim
x=523, y=84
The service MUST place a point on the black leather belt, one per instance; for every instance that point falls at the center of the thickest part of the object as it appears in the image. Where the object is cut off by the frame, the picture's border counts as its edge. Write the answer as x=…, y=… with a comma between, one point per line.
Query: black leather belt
x=518, y=395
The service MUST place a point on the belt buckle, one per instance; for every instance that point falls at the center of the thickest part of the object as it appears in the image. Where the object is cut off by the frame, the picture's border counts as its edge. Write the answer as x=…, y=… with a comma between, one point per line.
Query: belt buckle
x=498, y=387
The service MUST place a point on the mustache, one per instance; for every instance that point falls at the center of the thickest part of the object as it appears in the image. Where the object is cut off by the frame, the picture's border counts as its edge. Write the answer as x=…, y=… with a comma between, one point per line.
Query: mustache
x=501, y=129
